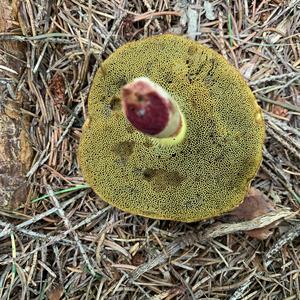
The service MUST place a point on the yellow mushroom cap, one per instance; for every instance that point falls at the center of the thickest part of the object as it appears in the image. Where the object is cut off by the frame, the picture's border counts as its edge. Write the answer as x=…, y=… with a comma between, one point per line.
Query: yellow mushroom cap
x=203, y=173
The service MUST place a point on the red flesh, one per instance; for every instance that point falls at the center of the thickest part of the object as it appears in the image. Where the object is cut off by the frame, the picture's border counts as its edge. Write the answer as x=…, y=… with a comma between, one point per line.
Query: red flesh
x=145, y=108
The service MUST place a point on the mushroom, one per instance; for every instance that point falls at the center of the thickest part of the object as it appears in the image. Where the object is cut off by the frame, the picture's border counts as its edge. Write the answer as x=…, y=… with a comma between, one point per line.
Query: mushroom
x=173, y=131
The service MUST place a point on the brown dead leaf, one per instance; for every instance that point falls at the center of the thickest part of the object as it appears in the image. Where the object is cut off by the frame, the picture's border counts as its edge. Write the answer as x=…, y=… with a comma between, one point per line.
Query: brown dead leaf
x=261, y=233
x=279, y=110
x=55, y=293
x=254, y=205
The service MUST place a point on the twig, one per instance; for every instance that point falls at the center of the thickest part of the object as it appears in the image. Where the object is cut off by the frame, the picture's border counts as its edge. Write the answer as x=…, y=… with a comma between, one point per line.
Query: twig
x=282, y=104
x=287, y=237
x=277, y=174
x=258, y=222
x=268, y=258
x=274, y=77
x=210, y=233
x=291, y=146
x=9, y=228
x=149, y=15
x=61, y=237
x=282, y=125
x=68, y=225
x=44, y=237
x=283, y=134
x=43, y=158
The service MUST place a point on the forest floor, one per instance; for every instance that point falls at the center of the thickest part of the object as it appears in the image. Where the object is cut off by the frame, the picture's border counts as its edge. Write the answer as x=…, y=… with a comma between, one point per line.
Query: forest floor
x=66, y=243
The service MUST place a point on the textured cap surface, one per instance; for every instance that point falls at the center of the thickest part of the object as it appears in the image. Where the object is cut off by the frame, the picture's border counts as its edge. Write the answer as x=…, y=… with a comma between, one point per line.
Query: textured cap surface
x=204, y=175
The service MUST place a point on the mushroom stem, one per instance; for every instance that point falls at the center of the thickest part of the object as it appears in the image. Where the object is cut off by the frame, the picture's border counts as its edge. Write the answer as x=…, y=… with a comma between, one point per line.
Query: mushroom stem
x=150, y=109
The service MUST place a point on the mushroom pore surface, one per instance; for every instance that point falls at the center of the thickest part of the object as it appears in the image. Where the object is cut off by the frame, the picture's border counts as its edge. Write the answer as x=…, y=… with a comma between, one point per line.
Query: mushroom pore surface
x=204, y=175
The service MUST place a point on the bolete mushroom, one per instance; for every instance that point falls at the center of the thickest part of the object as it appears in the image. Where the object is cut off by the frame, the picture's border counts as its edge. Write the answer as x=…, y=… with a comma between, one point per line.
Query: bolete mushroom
x=173, y=131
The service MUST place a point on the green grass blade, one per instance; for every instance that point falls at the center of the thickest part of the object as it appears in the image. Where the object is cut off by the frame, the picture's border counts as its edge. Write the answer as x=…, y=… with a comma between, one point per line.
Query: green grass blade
x=72, y=189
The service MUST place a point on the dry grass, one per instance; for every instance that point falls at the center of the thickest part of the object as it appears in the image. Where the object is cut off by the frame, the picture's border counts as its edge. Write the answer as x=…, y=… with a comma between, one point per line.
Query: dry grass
x=74, y=246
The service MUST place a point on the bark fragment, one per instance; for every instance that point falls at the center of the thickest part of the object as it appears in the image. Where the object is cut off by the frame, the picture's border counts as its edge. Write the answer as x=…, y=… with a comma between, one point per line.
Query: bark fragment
x=15, y=150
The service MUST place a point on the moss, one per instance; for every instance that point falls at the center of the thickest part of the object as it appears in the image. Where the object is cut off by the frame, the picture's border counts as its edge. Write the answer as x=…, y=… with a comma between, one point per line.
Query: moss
x=209, y=171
